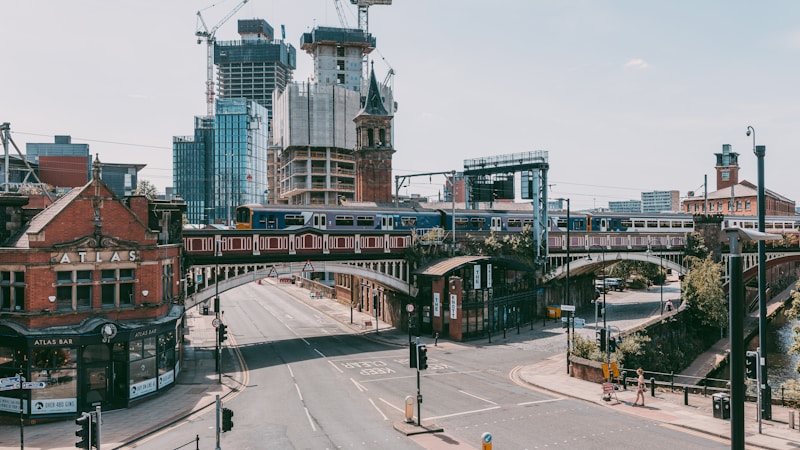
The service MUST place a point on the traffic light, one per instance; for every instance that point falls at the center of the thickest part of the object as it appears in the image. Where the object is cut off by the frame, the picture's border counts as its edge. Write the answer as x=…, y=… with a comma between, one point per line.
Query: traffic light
x=227, y=419
x=612, y=344
x=600, y=306
x=601, y=339
x=422, y=357
x=412, y=359
x=751, y=365
x=223, y=332
x=95, y=431
x=84, y=433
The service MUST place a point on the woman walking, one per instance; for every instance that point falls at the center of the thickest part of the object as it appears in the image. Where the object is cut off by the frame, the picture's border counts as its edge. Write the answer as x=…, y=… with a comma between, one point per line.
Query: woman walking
x=640, y=387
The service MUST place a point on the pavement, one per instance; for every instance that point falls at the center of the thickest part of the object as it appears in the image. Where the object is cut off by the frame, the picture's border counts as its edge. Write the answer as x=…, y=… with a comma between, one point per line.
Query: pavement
x=198, y=386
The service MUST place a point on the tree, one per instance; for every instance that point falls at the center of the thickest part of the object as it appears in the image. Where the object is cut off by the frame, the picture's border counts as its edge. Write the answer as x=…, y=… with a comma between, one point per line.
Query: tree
x=702, y=290
x=147, y=189
x=695, y=246
x=793, y=313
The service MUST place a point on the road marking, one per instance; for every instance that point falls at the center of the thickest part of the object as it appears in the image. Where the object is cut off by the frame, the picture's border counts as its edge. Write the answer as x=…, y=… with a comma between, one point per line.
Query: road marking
x=426, y=375
x=319, y=353
x=390, y=405
x=541, y=401
x=464, y=413
x=479, y=398
x=335, y=366
x=291, y=374
x=313, y=428
x=377, y=409
x=299, y=394
x=359, y=386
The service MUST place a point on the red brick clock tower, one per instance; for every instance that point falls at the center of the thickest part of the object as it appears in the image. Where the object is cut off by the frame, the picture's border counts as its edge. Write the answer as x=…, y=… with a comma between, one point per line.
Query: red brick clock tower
x=373, y=152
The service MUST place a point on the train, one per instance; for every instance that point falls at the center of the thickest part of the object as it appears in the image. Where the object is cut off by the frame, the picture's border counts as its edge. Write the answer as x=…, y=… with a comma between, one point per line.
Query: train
x=367, y=217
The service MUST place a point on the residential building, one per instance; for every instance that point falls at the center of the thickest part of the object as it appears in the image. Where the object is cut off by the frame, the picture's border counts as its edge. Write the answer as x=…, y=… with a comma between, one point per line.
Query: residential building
x=660, y=201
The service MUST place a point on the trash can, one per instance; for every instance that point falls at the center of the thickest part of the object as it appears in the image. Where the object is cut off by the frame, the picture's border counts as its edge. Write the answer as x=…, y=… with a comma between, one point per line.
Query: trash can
x=722, y=405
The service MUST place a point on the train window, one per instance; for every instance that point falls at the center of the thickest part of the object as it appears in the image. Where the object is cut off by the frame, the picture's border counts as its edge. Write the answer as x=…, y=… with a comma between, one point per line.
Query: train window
x=638, y=223
x=561, y=223
x=579, y=224
x=626, y=223
x=408, y=221
x=343, y=221
x=294, y=219
x=461, y=222
x=478, y=222
x=688, y=224
x=663, y=224
x=748, y=224
x=365, y=221
x=262, y=220
x=651, y=224
x=527, y=222
x=514, y=223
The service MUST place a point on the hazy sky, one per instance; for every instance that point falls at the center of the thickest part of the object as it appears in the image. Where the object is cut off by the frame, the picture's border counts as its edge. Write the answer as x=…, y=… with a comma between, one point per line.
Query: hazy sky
x=626, y=96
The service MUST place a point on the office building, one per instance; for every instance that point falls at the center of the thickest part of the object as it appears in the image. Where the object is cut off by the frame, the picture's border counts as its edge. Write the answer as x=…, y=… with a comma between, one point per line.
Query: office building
x=61, y=163
x=660, y=201
x=625, y=206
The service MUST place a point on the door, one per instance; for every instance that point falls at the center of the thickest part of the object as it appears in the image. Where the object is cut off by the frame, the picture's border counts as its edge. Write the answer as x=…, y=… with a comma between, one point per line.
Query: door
x=497, y=224
x=96, y=384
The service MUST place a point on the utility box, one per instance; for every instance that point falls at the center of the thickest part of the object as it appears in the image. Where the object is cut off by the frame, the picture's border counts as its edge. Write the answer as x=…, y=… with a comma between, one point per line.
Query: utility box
x=722, y=405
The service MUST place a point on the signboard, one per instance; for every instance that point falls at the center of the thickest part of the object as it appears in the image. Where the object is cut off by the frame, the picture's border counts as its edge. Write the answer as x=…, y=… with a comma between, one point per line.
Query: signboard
x=488, y=276
x=409, y=308
x=308, y=267
x=54, y=405
x=453, y=306
x=12, y=405
x=215, y=322
x=273, y=272
x=437, y=305
x=568, y=308
x=476, y=276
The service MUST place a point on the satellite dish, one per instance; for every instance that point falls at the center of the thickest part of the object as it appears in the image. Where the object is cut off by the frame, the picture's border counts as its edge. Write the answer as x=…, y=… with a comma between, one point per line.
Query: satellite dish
x=690, y=193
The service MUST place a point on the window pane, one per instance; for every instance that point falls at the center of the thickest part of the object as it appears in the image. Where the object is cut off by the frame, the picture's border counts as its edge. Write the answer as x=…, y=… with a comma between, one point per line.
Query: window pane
x=126, y=294
x=63, y=277
x=125, y=274
x=64, y=297
x=84, y=296
x=109, y=294
x=107, y=275
x=84, y=275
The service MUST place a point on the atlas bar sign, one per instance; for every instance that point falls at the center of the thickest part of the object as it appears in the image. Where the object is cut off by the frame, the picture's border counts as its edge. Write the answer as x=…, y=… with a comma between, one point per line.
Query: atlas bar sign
x=95, y=257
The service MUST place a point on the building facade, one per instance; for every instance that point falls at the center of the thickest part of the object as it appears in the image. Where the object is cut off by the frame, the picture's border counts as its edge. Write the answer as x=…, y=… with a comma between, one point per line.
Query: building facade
x=660, y=201
x=191, y=162
x=90, y=303
x=338, y=55
x=625, y=206
x=374, y=149
x=254, y=67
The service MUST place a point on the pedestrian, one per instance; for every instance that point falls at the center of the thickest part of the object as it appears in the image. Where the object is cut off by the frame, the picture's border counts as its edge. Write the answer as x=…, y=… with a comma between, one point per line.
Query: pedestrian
x=640, y=387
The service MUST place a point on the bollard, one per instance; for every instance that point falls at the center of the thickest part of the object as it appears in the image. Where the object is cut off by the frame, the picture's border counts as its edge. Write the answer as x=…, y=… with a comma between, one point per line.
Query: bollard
x=686, y=395
x=625, y=380
x=436, y=339
x=652, y=387
x=672, y=381
x=791, y=419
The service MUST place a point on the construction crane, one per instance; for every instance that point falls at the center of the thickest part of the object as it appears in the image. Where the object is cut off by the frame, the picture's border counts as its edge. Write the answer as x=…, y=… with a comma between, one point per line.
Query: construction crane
x=340, y=12
x=363, y=11
x=203, y=33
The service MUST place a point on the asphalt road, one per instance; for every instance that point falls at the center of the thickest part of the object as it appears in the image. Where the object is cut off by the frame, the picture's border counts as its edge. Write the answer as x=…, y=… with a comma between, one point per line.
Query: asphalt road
x=313, y=385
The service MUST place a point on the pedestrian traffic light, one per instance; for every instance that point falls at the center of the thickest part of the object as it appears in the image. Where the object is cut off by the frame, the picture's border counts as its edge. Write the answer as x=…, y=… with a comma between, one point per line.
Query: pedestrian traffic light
x=612, y=344
x=601, y=339
x=412, y=357
x=223, y=332
x=751, y=365
x=600, y=306
x=227, y=419
x=84, y=433
x=422, y=357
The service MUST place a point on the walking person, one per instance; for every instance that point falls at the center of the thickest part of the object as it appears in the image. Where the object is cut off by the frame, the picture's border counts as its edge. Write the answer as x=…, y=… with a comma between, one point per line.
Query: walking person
x=640, y=387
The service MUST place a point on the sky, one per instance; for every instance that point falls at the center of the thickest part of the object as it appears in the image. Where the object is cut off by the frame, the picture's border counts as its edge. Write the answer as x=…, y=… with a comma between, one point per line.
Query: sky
x=625, y=96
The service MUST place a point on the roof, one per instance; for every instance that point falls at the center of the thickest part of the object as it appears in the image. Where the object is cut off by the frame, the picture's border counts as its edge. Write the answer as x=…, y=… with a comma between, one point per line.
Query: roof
x=743, y=189
x=443, y=267
x=373, y=106
x=39, y=221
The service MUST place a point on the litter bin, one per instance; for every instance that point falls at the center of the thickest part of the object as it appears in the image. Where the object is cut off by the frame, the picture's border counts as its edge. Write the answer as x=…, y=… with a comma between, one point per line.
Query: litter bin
x=722, y=405
x=553, y=311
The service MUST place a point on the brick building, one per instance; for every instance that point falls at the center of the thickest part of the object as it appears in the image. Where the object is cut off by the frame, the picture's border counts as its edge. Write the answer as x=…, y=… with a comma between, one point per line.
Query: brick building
x=89, y=300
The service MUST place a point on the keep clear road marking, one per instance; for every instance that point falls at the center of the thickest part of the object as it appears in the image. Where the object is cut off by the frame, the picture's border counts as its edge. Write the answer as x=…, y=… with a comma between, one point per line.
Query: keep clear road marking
x=479, y=398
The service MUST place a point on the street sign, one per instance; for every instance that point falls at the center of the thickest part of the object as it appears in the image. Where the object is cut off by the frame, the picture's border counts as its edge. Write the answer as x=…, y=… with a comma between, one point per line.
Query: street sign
x=567, y=308
x=33, y=385
x=273, y=272
x=308, y=267
x=9, y=380
x=215, y=322
x=409, y=308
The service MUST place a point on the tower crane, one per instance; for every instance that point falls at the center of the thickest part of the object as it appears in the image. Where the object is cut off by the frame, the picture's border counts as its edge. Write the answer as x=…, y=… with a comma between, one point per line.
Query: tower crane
x=203, y=33
x=340, y=12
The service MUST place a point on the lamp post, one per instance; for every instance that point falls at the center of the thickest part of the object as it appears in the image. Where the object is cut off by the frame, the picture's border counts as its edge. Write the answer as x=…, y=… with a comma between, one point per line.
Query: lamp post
x=217, y=245
x=735, y=318
x=661, y=276
x=567, y=300
x=764, y=391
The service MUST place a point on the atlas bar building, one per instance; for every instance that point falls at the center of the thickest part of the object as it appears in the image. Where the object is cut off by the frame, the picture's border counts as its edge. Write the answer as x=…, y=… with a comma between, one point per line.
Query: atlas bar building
x=90, y=301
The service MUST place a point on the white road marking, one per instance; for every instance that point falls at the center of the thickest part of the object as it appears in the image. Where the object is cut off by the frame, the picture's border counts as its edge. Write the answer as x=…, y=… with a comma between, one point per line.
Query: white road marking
x=290, y=371
x=319, y=353
x=335, y=366
x=464, y=413
x=310, y=421
x=359, y=386
x=391, y=405
x=479, y=398
x=378, y=409
x=299, y=394
x=541, y=401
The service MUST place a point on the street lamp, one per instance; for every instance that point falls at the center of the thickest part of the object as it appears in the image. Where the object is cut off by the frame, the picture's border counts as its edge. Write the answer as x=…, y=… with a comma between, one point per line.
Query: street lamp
x=736, y=326
x=567, y=300
x=217, y=246
x=765, y=393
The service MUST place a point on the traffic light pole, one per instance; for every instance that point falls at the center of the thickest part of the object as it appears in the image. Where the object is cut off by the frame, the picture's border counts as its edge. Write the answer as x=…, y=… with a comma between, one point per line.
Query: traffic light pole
x=216, y=415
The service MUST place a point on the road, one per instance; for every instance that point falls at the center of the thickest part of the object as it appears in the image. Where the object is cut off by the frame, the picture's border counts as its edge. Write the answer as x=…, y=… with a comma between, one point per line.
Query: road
x=312, y=384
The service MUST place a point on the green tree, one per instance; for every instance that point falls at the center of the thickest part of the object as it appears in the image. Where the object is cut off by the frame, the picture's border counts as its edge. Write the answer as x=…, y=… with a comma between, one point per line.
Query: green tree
x=702, y=290
x=695, y=246
x=793, y=313
x=147, y=189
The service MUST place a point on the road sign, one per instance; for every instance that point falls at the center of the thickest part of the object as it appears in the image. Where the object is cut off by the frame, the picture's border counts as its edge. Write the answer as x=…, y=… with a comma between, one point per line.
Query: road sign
x=9, y=380
x=33, y=385
x=409, y=308
x=308, y=267
x=215, y=322
x=273, y=272
x=567, y=308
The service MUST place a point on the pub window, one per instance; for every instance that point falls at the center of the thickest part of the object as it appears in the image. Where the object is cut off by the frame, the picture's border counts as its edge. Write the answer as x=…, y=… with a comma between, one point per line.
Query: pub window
x=142, y=366
x=12, y=291
x=57, y=368
x=116, y=287
x=73, y=290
